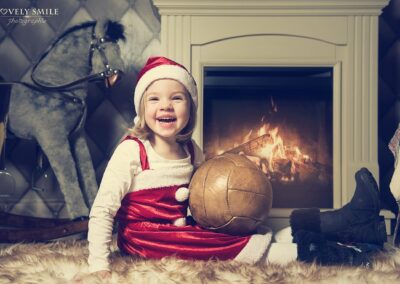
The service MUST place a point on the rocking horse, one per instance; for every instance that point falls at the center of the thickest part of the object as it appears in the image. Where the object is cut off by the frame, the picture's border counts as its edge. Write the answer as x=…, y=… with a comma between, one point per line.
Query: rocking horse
x=52, y=111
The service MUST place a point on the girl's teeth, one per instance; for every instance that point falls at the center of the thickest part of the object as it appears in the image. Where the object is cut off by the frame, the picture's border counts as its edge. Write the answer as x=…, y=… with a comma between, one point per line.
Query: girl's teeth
x=166, y=119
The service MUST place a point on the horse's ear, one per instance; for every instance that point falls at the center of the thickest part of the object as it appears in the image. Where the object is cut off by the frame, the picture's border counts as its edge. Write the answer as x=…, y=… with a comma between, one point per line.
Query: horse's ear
x=114, y=31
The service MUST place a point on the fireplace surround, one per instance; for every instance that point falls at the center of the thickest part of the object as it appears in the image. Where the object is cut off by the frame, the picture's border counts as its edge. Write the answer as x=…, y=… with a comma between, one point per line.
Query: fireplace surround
x=339, y=34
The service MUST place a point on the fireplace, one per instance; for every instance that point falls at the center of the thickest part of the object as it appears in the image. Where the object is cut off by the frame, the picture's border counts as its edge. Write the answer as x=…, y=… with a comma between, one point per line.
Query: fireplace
x=338, y=37
x=281, y=119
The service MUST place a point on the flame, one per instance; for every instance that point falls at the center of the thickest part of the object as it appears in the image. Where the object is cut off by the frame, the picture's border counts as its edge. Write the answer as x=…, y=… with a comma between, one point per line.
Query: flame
x=263, y=129
x=246, y=138
x=268, y=150
x=274, y=106
x=277, y=154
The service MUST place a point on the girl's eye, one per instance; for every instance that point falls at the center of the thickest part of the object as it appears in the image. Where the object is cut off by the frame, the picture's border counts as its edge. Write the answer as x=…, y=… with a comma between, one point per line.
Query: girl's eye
x=177, y=98
x=152, y=99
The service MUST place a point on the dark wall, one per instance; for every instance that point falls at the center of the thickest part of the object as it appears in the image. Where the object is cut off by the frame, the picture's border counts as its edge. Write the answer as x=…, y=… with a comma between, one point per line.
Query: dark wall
x=389, y=94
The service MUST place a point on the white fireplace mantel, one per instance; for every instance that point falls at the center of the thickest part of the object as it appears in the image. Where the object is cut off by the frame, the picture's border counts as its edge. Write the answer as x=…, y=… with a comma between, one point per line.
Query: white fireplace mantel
x=342, y=34
x=269, y=7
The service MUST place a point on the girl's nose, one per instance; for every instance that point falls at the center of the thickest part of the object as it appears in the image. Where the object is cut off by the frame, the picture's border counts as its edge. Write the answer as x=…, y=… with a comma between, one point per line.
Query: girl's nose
x=166, y=105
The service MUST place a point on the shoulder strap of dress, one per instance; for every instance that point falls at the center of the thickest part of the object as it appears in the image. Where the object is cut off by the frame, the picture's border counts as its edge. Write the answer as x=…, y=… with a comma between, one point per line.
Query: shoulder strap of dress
x=143, y=155
x=191, y=151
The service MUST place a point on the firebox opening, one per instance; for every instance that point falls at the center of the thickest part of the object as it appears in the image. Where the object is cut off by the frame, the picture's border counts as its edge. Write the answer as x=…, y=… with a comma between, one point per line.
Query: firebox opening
x=281, y=118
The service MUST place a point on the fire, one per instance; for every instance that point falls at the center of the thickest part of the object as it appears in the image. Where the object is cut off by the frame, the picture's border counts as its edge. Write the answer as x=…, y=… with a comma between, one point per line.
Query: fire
x=246, y=138
x=278, y=157
x=268, y=150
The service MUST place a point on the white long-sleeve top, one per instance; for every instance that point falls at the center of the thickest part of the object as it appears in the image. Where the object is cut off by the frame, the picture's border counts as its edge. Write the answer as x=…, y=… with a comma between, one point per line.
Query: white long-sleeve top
x=123, y=175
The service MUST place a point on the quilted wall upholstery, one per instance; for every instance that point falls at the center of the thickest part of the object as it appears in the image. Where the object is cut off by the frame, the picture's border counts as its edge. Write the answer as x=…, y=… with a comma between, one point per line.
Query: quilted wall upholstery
x=110, y=111
x=389, y=94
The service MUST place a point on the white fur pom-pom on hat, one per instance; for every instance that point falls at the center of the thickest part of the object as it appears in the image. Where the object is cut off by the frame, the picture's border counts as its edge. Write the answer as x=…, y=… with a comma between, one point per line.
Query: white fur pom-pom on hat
x=182, y=194
x=162, y=68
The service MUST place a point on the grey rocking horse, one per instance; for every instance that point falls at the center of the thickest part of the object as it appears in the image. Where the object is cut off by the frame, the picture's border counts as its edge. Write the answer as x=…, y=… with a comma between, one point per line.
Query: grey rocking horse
x=52, y=110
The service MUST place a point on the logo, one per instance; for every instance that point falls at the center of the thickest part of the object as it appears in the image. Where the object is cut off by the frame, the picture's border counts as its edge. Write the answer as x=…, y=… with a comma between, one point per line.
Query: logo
x=28, y=15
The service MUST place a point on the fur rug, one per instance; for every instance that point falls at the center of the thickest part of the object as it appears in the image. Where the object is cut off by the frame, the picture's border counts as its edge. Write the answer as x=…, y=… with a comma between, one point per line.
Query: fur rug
x=59, y=261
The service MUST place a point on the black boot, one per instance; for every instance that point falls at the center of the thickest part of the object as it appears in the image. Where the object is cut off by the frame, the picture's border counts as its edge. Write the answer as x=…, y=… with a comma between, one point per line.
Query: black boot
x=313, y=247
x=357, y=221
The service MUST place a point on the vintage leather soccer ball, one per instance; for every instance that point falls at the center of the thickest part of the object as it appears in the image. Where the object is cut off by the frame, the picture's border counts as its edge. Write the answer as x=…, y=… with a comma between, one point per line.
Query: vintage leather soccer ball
x=229, y=194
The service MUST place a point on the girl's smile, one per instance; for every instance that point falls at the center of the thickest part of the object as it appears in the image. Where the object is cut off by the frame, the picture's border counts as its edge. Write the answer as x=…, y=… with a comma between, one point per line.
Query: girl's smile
x=167, y=121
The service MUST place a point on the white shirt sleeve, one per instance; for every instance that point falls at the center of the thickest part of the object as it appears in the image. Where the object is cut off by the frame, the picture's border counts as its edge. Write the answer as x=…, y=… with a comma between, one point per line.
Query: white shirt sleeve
x=116, y=182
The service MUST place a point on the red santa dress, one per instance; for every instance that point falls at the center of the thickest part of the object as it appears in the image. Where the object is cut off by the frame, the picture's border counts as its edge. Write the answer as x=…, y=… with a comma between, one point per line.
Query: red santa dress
x=147, y=194
x=152, y=224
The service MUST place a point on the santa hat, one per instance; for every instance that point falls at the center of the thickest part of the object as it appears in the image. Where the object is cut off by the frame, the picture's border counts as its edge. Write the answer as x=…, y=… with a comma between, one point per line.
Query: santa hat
x=162, y=68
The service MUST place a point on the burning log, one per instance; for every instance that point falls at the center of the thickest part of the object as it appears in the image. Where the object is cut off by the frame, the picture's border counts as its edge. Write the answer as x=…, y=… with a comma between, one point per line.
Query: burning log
x=251, y=147
x=279, y=162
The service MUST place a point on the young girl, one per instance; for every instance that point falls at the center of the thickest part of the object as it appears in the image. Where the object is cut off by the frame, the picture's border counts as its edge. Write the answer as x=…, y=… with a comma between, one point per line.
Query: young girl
x=145, y=184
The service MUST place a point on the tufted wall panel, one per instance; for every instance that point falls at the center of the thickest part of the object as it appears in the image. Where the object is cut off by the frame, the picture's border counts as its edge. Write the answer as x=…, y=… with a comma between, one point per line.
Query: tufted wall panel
x=389, y=94
x=110, y=111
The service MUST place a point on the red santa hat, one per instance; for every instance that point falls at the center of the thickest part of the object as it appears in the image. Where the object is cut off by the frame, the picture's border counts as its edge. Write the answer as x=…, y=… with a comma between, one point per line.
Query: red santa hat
x=162, y=68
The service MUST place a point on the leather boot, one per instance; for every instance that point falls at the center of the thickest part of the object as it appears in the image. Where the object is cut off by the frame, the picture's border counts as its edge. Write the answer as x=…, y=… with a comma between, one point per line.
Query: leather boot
x=363, y=207
x=359, y=219
x=313, y=247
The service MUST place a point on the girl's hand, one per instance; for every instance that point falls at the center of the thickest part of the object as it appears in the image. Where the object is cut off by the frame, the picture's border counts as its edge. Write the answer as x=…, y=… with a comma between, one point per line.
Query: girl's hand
x=85, y=278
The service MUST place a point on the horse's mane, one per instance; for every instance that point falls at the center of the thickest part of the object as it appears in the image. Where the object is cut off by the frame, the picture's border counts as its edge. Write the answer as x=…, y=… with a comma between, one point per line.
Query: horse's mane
x=68, y=58
x=114, y=32
x=65, y=33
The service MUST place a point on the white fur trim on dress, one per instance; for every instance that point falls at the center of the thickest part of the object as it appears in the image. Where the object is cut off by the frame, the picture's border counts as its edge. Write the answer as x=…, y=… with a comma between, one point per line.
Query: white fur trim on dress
x=174, y=72
x=255, y=248
x=284, y=235
x=180, y=222
x=182, y=194
x=168, y=177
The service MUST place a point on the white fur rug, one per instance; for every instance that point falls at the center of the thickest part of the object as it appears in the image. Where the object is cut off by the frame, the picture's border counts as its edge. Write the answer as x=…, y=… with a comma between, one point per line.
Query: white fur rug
x=58, y=262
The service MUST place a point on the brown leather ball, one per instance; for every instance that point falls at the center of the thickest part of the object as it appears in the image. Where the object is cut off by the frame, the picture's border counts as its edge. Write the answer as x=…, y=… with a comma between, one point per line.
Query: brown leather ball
x=229, y=194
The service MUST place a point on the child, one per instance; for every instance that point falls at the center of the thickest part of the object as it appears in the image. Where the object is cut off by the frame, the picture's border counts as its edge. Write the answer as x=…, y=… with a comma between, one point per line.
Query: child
x=145, y=184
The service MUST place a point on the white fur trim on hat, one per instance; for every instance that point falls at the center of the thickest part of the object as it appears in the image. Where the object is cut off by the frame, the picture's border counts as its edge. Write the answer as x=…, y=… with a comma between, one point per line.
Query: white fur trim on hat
x=174, y=72
x=180, y=222
x=182, y=194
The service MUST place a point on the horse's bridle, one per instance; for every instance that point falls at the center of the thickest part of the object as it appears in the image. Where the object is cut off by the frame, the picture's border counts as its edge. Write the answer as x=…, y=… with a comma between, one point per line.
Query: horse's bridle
x=97, y=43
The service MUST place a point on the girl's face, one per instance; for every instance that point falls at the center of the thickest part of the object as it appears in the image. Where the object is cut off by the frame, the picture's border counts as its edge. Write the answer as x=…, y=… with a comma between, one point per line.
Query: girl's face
x=166, y=108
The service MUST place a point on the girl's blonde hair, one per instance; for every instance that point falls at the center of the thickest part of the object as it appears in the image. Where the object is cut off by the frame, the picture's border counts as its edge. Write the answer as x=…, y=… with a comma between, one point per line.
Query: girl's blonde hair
x=142, y=131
